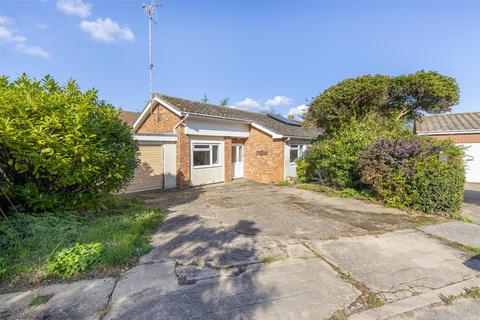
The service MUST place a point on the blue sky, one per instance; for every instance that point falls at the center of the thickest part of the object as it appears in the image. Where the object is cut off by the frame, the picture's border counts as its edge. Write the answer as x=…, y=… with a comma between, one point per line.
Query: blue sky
x=269, y=54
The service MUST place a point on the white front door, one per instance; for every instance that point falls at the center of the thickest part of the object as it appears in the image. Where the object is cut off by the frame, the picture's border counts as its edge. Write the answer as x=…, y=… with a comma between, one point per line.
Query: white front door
x=237, y=161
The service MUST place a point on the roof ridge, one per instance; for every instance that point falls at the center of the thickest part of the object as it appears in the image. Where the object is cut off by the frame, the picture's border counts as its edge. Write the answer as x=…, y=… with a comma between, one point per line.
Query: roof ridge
x=450, y=114
x=209, y=104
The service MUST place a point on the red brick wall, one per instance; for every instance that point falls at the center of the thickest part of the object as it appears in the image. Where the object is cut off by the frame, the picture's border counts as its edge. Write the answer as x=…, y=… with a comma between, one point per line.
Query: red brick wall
x=228, y=158
x=263, y=157
x=460, y=138
x=161, y=120
x=183, y=158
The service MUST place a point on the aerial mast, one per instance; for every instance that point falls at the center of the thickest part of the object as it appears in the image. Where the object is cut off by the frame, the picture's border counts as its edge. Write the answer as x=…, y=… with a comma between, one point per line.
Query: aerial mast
x=150, y=10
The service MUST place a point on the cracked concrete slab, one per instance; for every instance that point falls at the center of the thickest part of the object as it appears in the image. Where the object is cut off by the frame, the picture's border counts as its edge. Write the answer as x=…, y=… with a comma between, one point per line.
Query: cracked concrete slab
x=457, y=231
x=77, y=300
x=414, y=306
x=400, y=264
x=464, y=309
x=291, y=288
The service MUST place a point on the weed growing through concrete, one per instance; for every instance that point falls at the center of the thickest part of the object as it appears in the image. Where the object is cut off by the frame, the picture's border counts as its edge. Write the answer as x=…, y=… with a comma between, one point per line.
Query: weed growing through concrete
x=39, y=300
x=270, y=259
x=471, y=293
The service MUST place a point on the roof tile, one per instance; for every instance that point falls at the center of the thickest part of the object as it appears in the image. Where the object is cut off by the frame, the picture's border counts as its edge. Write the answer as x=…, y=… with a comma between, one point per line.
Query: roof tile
x=449, y=122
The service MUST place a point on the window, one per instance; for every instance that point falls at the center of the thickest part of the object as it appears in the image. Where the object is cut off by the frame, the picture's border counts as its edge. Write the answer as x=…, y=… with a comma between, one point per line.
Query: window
x=296, y=152
x=205, y=155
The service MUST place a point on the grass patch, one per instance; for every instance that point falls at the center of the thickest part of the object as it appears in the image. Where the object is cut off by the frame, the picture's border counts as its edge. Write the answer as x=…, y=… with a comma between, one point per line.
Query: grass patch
x=283, y=183
x=60, y=245
x=39, y=300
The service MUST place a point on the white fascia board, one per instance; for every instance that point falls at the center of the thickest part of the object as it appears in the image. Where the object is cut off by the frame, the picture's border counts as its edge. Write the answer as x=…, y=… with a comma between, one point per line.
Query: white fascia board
x=432, y=133
x=168, y=106
x=190, y=131
x=155, y=138
x=273, y=134
x=146, y=111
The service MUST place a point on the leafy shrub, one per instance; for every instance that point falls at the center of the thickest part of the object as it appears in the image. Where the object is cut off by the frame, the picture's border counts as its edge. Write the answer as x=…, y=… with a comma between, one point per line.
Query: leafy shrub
x=333, y=158
x=74, y=259
x=60, y=147
x=416, y=172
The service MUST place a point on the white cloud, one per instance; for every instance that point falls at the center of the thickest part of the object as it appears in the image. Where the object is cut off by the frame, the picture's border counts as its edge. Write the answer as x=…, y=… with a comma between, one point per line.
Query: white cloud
x=248, y=104
x=4, y=20
x=298, y=111
x=41, y=26
x=278, y=101
x=75, y=7
x=33, y=50
x=106, y=30
x=19, y=42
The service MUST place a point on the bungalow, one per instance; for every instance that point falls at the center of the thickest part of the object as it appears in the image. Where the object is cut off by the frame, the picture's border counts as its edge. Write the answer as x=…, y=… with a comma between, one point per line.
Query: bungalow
x=188, y=143
x=463, y=129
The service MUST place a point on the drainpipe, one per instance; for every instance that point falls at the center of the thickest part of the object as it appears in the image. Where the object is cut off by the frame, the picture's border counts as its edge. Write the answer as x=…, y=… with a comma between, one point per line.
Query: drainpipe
x=285, y=161
x=179, y=123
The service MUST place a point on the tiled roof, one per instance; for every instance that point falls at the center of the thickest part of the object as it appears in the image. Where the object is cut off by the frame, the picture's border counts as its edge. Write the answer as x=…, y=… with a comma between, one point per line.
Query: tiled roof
x=129, y=117
x=449, y=122
x=261, y=119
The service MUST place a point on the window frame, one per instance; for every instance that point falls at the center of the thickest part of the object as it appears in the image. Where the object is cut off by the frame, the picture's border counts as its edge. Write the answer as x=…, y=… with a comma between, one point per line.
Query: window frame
x=300, y=152
x=206, y=147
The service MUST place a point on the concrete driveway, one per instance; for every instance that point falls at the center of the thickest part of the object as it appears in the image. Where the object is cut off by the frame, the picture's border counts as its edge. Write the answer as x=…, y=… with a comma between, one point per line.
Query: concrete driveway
x=245, y=250
x=471, y=205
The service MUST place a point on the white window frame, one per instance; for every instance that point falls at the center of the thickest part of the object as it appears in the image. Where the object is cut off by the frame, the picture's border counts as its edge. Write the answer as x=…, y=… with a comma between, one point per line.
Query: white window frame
x=300, y=148
x=210, y=149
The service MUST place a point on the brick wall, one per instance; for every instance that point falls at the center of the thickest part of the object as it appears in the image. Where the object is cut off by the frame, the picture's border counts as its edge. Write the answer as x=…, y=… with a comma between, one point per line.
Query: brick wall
x=263, y=157
x=183, y=158
x=228, y=158
x=460, y=138
x=161, y=120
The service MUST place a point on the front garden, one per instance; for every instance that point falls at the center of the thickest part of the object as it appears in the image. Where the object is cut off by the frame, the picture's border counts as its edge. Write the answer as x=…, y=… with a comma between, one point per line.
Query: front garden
x=64, y=155
x=369, y=149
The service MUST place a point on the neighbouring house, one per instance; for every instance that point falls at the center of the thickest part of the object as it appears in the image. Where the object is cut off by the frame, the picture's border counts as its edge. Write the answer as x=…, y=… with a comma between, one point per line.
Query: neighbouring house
x=463, y=129
x=188, y=143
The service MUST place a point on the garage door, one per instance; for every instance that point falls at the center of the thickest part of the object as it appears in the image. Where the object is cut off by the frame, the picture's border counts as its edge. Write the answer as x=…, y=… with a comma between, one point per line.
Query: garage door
x=473, y=161
x=149, y=174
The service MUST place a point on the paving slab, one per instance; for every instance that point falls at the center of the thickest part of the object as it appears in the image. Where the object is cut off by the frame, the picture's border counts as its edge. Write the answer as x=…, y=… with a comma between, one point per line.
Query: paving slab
x=287, y=289
x=77, y=300
x=457, y=231
x=400, y=264
x=464, y=309
x=421, y=304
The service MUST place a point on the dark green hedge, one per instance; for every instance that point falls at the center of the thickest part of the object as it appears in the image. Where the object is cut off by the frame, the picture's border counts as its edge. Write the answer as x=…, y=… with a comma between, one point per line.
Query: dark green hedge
x=416, y=172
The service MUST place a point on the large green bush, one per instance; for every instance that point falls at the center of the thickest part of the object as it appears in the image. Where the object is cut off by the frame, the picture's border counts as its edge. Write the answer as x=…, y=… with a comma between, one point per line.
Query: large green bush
x=416, y=172
x=59, y=146
x=333, y=158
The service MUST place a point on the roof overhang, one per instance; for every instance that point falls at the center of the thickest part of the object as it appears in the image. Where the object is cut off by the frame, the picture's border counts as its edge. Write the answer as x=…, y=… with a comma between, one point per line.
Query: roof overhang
x=148, y=109
x=156, y=100
x=451, y=132
x=267, y=131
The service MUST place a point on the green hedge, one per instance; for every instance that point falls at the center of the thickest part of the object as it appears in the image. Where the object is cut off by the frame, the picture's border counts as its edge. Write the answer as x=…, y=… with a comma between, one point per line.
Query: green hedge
x=417, y=172
x=60, y=147
x=333, y=158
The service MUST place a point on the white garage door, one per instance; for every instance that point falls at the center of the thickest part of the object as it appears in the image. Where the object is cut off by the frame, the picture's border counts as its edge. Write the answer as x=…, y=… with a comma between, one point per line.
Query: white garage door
x=473, y=161
x=149, y=174
x=207, y=160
